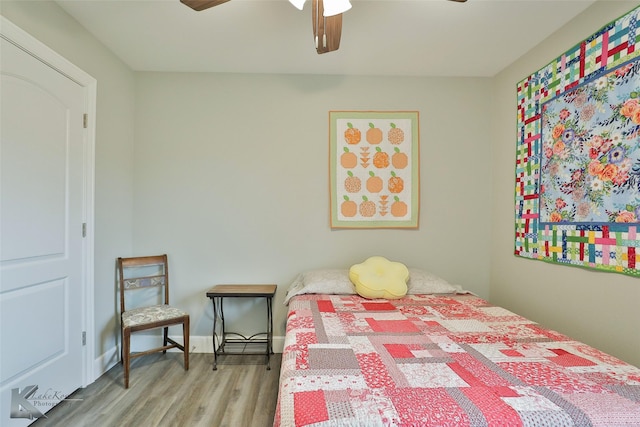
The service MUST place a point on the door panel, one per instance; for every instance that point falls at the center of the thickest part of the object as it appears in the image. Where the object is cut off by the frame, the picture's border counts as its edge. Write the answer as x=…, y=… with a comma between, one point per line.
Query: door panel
x=41, y=255
x=33, y=226
x=46, y=321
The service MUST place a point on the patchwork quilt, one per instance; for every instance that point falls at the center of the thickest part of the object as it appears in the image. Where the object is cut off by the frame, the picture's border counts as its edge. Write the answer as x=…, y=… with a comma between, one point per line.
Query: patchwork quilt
x=442, y=360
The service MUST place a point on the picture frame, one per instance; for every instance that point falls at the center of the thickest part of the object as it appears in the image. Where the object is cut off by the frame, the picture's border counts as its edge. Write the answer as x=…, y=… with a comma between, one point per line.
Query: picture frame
x=374, y=159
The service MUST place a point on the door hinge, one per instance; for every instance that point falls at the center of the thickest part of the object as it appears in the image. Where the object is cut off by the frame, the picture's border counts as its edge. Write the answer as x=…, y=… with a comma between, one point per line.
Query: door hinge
x=85, y=120
x=84, y=338
x=84, y=229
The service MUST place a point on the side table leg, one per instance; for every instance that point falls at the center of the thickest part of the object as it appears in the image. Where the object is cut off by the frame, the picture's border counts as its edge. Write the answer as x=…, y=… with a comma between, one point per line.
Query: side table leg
x=269, y=331
x=215, y=351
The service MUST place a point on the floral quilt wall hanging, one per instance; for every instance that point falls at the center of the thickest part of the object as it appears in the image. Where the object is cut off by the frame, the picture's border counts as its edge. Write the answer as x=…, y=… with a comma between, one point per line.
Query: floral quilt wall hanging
x=577, y=196
x=374, y=169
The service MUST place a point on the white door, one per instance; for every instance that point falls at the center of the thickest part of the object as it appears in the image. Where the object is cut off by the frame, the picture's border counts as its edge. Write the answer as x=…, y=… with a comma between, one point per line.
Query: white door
x=41, y=232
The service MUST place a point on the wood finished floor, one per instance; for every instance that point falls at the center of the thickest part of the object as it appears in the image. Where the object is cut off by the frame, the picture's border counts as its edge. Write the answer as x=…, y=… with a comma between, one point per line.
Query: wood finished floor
x=242, y=392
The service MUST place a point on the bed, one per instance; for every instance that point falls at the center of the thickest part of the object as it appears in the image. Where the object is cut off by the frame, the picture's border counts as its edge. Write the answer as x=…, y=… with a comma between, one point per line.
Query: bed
x=443, y=358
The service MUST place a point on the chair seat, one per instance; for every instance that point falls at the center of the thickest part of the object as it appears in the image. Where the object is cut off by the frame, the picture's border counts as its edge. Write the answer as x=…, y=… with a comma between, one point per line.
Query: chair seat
x=154, y=313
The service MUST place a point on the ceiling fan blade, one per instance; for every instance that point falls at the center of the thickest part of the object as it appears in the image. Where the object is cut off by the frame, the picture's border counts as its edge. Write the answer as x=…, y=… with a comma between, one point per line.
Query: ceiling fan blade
x=459, y=1
x=327, y=30
x=202, y=4
x=333, y=30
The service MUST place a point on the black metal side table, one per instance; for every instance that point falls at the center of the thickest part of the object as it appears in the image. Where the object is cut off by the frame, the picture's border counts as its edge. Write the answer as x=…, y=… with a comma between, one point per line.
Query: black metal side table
x=217, y=294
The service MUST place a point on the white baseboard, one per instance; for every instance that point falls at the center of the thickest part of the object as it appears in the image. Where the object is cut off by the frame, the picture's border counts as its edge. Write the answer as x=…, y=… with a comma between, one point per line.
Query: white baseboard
x=197, y=344
x=105, y=361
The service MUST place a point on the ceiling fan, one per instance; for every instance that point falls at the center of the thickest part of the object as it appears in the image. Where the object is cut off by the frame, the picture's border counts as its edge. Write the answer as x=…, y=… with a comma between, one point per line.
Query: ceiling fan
x=326, y=18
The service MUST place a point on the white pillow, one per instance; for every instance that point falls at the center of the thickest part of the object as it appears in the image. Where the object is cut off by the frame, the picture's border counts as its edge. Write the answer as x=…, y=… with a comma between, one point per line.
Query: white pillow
x=423, y=282
x=326, y=281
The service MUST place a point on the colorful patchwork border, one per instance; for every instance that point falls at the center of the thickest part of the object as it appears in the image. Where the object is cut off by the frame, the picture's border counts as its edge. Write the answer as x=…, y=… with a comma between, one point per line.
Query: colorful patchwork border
x=613, y=247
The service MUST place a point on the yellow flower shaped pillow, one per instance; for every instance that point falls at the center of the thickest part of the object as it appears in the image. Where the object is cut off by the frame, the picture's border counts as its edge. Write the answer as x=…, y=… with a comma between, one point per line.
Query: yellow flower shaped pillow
x=377, y=277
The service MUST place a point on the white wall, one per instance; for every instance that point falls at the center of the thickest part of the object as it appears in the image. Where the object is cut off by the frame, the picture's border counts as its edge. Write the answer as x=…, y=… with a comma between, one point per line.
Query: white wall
x=114, y=148
x=600, y=309
x=231, y=179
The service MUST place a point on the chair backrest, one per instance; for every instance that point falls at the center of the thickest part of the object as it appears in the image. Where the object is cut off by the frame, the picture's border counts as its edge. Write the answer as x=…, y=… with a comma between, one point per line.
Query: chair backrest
x=136, y=273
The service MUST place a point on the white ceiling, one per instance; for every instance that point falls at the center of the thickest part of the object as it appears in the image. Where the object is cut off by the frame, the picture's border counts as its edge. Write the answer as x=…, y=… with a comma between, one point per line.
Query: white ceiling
x=379, y=37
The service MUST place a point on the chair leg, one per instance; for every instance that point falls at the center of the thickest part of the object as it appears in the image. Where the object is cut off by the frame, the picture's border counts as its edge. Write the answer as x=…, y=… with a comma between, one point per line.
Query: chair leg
x=126, y=359
x=185, y=335
x=121, y=346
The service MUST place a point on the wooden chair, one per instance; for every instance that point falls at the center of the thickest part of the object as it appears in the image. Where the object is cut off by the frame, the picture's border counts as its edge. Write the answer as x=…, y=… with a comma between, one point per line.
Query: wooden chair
x=138, y=278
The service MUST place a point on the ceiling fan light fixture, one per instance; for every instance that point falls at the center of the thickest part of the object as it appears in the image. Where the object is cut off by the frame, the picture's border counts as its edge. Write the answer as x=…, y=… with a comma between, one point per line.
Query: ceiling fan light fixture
x=335, y=7
x=298, y=3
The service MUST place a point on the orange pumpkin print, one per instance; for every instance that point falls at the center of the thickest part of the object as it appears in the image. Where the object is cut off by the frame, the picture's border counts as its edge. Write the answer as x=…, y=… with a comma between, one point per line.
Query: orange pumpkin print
x=352, y=183
x=398, y=208
x=374, y=183
x=380, y=159
x=395, y=135
x=348, y=160
x=399, y=160
x=352, y=135
x=374, y=135
x=348, y=208
x=367, y=207
x=396, y=184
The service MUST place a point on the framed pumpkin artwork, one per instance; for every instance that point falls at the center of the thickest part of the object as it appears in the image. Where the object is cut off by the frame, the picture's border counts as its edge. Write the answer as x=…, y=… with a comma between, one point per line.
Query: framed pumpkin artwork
x=374, y=169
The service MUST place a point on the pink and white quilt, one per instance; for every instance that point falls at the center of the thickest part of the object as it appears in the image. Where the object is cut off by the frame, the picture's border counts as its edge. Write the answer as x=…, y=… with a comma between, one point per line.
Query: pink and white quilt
x=442, y=360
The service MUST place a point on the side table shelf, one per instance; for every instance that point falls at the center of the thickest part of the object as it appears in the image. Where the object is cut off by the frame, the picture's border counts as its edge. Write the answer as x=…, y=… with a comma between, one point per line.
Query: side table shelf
x=217, y=294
